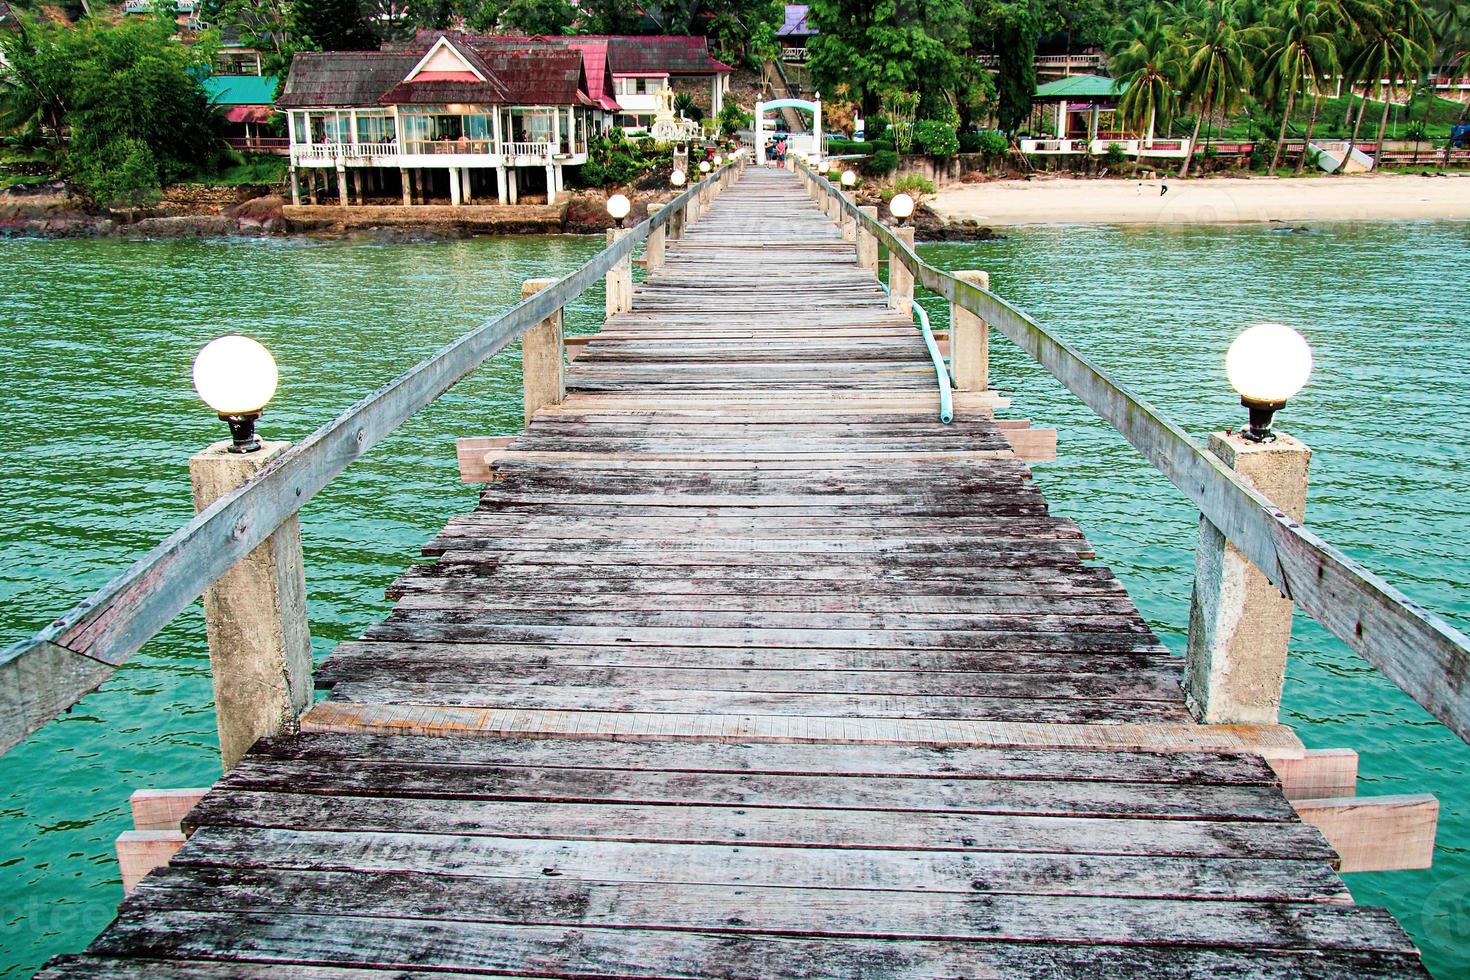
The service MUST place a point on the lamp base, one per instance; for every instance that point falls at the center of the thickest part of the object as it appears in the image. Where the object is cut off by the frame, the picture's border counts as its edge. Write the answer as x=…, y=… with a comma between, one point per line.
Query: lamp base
x=1259, y=428
x=242, y=432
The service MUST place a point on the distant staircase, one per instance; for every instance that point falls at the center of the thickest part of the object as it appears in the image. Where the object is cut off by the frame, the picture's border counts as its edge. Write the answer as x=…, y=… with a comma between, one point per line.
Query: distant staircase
x=1331, y=153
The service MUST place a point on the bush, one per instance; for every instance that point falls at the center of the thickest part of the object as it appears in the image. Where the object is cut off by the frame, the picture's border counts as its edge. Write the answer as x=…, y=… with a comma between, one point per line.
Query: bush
x=880, y=164
x=615, y=162
x=914, y=185
x=994, y=144
x=732, y=119
x=848, y=147
x=876, y=127
x=1115, y=154
x=935, y=138
x=1261, y=153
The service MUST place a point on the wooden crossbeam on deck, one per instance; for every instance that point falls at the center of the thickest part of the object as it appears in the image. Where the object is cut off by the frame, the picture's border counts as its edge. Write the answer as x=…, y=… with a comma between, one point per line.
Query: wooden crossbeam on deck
x=746, y=665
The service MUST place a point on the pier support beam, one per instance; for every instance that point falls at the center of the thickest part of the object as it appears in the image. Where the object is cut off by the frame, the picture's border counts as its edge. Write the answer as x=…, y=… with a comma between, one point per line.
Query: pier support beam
x=541, y=356
x=653, y=249
x=619, y=280
x=342, y=197
x=969, y=340
x=900, y=279
x=1239, y=623
x=454, y=187
x=867, y=244
x=295, y=188
x=259, y=644
x=407, y=187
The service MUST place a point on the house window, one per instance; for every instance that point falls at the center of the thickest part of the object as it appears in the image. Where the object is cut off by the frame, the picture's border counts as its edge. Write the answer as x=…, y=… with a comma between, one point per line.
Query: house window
x=374, y=127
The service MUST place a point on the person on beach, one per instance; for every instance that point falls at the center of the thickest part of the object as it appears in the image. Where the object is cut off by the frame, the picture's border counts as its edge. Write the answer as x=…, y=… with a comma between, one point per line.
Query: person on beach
x=1163, y=184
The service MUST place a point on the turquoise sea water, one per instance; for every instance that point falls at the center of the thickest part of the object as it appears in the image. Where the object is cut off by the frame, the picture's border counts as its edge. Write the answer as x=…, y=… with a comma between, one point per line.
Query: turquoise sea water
x=97, y=420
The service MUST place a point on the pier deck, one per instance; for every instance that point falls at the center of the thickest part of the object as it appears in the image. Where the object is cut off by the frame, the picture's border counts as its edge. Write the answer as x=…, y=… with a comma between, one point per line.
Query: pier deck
x=748, y=666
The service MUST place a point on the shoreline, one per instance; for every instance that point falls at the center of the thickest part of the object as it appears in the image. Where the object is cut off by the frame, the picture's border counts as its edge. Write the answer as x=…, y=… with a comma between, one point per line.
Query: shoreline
x=1206, y=200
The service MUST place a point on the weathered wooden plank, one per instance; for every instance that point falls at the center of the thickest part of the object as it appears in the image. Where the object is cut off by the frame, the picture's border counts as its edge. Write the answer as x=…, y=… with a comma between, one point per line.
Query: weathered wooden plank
x=162, y=809
x=1268, y=741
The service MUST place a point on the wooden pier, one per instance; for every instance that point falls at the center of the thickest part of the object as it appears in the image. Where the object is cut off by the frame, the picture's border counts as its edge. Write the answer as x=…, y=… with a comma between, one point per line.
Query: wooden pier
x=747, y=666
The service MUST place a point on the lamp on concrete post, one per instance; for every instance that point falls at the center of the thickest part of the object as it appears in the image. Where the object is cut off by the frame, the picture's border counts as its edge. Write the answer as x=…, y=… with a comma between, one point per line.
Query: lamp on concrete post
x=849, y=224
x=900, y=279
x=255, y=615
x=676, y=220
x=1239, y=623
x=620, y=276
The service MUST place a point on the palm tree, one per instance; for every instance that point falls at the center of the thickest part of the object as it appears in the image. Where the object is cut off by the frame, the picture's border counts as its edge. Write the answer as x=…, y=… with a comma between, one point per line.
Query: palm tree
x=1451, y=22
x=1145, y=62
x=1396, y=47
x=1216, y=66
x=1301, y=49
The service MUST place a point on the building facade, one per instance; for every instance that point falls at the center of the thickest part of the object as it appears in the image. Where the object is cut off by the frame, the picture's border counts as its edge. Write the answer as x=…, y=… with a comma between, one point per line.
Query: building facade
x=448, y=115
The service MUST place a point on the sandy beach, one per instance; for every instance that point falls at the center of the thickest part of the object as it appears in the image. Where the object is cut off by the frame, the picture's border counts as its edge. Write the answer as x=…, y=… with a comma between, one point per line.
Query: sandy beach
x=1063, y=200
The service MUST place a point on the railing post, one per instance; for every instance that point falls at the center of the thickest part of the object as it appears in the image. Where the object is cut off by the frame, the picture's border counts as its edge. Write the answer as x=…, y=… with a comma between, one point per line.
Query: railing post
x=542, y=378
x=900, y=279
x=969, y=340
x=1239, y=623
x=619, y=279
x=295, y=187
x=653, y=250
x=676, y=224
x=849, y=225
x=867, y=242
x=255, y=616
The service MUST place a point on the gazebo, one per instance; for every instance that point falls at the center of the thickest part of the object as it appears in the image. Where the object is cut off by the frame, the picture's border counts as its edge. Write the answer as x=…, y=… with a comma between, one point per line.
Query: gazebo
x=1088, y=96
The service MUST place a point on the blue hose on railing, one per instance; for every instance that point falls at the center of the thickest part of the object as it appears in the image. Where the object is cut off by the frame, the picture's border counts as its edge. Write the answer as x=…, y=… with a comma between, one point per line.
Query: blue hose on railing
x=941, y=373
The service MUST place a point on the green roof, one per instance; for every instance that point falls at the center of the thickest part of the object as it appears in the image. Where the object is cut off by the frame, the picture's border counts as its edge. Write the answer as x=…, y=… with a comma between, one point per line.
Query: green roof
x=230, y=90
x=1081, y=87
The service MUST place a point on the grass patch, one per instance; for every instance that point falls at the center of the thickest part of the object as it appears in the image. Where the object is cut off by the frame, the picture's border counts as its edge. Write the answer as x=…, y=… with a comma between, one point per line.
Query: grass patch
x=251, y=170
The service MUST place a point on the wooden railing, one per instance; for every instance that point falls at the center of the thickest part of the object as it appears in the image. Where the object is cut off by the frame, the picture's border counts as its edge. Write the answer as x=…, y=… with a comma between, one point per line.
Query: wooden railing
x=1425, y=656
x=45, y=674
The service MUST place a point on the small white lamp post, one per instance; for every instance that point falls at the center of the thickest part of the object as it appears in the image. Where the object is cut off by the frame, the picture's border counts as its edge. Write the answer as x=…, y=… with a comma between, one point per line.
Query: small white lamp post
x=704, y=166
x=236, y=376
x=677, y=178
x=849, y=179
x=1267, y=364
x=901, y=207
x=618, y=207
x=719, y=160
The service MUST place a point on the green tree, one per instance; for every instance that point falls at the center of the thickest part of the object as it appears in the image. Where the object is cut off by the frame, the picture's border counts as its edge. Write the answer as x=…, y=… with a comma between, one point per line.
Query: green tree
x=1302, y=39
x=1146, y=59
x=867, y=48
x=612, y=17
x=1396, y=47
x=110, y=100
x=1451, y=22
x=333, y=25
x=1015, y=80
x=1216, y=66
x=546, y=17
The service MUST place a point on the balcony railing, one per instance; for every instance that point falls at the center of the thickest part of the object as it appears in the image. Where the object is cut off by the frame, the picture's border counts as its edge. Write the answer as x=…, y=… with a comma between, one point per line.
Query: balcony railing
x=522, y=148
x=538, y=149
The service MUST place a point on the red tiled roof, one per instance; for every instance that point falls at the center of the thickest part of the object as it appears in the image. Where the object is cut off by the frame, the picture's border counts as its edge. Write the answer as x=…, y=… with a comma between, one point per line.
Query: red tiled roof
x=326, y=79
x=540, y=76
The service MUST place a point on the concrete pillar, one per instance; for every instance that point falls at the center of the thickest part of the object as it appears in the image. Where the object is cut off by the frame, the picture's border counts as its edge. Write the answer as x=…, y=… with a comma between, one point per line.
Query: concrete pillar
x=464, y=188
x=542, y=373
x=867, y=244
x=454, y=187
x=515, y=188
x=502, y=189
x=311, y=185
x=550, y=184
x=1240, y=624
x=676, y=224
x=560, y=176
x=619, y=280
x=849, y=226
x=259, y=643
x=653, y=249
x=418, y=185
x=342, y=197
x=295, y=188
x=969, y=340
x=407, y=187
x=357, y=186
x=900, y=279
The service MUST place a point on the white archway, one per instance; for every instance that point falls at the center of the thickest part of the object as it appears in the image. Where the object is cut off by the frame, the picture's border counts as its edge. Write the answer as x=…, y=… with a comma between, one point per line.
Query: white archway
x=814, y=154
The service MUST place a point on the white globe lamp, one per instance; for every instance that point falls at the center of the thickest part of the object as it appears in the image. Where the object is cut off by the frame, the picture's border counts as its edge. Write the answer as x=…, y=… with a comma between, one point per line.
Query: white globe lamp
x=719, y=160
x=1267, y=364
x=704, y=166
x=618, y=207
x=677, y=178
x=849, y=179
x=236, y=376
x=901, y=207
